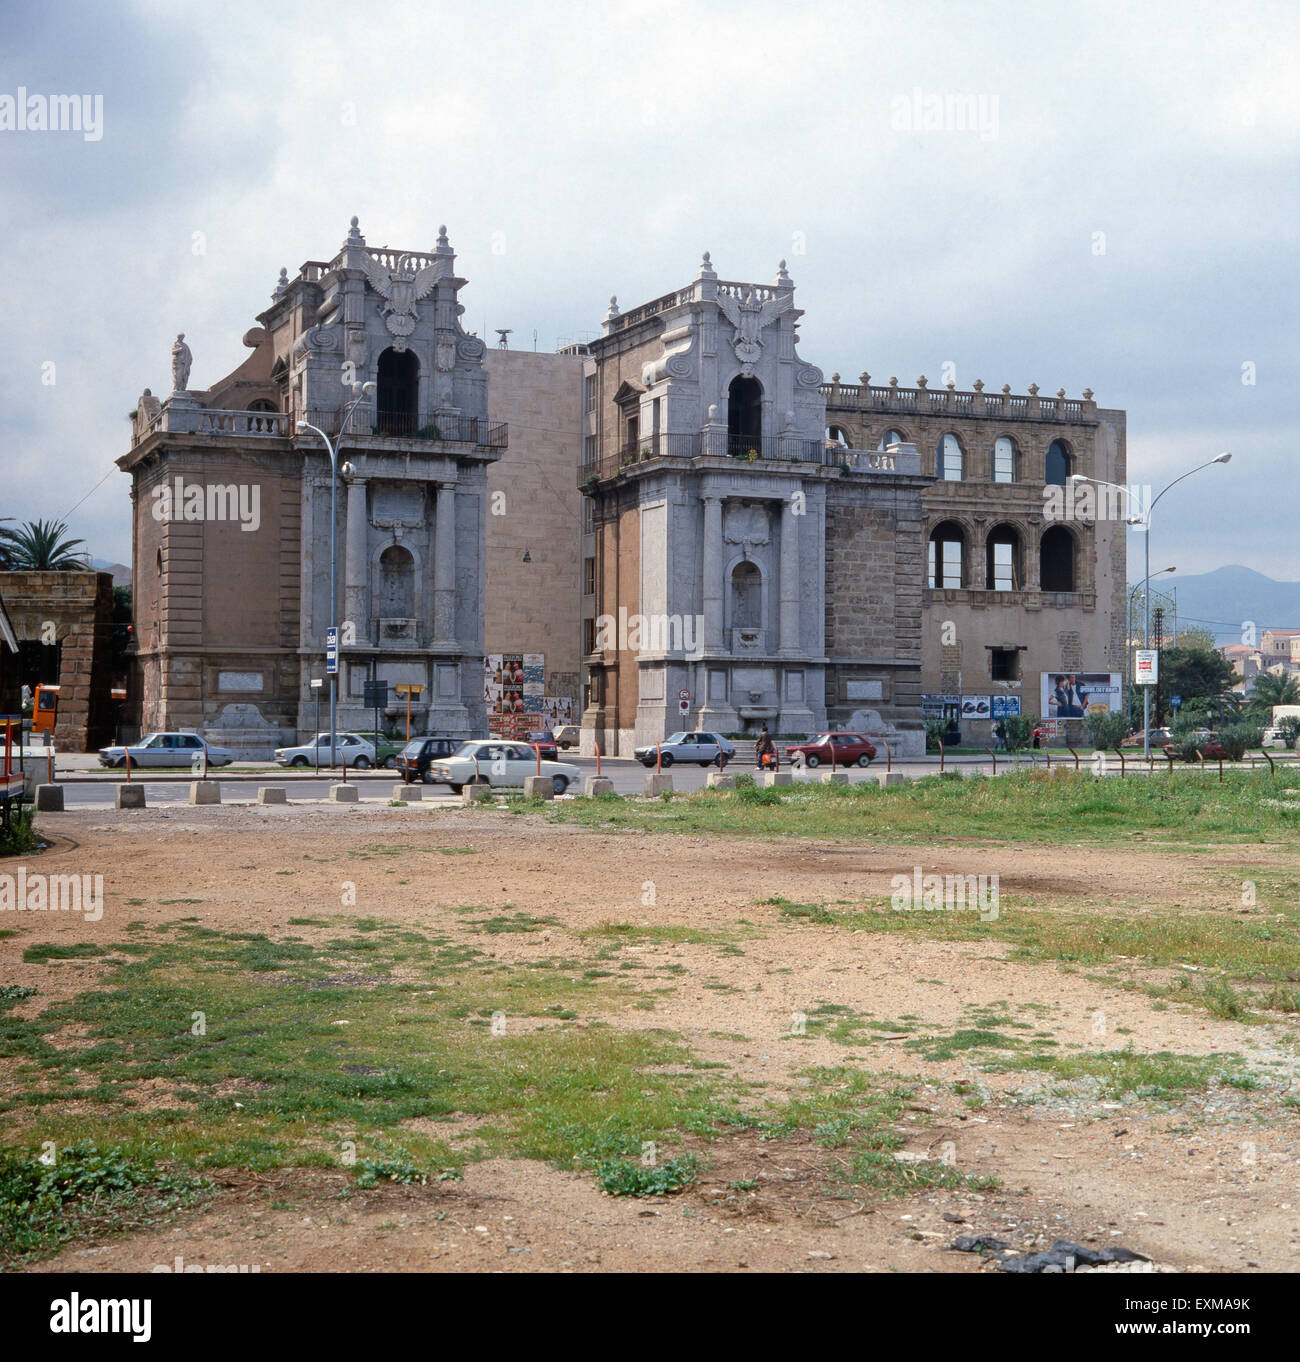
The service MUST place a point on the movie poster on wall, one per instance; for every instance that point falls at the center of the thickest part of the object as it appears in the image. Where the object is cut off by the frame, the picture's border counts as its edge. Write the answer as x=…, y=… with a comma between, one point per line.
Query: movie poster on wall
x=1074, y=695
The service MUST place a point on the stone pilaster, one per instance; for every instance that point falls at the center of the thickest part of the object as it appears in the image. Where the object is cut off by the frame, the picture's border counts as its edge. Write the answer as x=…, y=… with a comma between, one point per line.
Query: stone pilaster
x=444, y=568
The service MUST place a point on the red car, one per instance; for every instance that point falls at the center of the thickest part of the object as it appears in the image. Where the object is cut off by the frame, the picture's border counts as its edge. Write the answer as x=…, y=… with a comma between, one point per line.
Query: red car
x=849, y=749
x=1211, y=750
x=546, y=741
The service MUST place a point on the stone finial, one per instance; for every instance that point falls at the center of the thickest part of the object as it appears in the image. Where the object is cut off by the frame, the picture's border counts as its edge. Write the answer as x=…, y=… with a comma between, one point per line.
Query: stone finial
x=1060, y=392
x=1088, y=394
x=613, y=308
x=444, y=246
x=354, y=235
x=1033, y=390
x=978, y=385
x=893, y=382
x=1006, y=388
x=715, y=417
x=835, y=378
x=706, y=270
x=864, y=378
x=951, y=385
x=282, y=284
x=922, y=381
x=783, y=279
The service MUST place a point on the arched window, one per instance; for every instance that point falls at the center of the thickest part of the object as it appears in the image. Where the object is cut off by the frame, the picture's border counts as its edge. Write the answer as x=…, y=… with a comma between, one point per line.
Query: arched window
x=396, y=584
x=1003, y=571
x=948, y=459
x=1005, y=460
x=1056, y=559
x=947, y=554
x=836, y=435
x=891, y=437
x=397, y=401
x=746, y=596
x=1058, y=464
x=744, y=416
x=261, y=404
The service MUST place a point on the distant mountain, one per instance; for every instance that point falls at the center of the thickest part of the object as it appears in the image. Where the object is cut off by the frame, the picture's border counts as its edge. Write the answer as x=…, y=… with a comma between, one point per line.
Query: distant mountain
x=121, y=573
x=1224, y=599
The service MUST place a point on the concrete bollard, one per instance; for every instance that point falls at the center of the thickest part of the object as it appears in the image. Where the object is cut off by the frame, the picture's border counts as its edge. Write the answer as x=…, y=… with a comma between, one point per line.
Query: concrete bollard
x=720, y=780
x=475, y=794
x=343, y=794
x=598, y=785
x=835, y=777
x=539, y=787
x=49, y=799
x=205, y=792
x=657, y=783
x=891, y=778
x=412, y=794
x=129, y=797
x=776, y=778
x=272, y=794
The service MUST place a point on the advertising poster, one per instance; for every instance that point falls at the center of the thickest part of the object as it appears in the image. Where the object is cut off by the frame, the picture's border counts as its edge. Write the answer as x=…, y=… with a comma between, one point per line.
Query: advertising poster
x=976, y=706
x=1005, y=706
x=1074, y=695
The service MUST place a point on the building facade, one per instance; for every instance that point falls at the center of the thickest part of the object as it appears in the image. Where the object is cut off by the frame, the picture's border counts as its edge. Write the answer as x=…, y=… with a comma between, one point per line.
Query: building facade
x=738, y=571
x=236, y=509
x=1025, y=571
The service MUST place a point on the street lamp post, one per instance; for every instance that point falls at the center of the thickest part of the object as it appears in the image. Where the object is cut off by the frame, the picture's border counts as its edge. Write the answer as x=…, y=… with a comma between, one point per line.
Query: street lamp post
x=1144, y=520
x=367, y=390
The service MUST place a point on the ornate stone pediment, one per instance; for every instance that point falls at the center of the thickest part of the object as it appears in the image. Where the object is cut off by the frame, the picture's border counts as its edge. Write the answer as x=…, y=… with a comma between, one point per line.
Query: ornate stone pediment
x=746, y=526
x=751, y=312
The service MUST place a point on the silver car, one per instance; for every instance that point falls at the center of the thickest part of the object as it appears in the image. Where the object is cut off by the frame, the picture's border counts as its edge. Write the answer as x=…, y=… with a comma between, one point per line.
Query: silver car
x=353, y=750
x=167, y=749
x=707, y=749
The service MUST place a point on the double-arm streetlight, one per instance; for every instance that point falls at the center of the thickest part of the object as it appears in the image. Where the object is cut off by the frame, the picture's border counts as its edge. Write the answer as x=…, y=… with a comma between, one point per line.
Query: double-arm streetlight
x=366, y=390
x=1143, y=521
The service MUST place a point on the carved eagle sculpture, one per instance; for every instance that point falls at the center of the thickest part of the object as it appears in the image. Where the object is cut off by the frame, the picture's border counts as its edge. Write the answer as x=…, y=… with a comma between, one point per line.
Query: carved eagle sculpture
x=401, y=289
x=750, y=315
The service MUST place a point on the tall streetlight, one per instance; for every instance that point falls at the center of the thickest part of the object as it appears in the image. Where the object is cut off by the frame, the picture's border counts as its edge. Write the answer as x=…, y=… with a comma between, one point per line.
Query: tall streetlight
x=366, y=390
x=1133, y=591
x=1144, y=522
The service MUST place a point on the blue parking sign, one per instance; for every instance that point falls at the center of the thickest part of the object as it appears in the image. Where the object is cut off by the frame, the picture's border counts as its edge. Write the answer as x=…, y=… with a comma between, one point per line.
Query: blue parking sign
x=331, y=651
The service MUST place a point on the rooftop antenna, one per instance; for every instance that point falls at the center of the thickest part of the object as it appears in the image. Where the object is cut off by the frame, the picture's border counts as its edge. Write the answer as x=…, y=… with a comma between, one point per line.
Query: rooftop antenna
x=502, y=333
x=534, y=340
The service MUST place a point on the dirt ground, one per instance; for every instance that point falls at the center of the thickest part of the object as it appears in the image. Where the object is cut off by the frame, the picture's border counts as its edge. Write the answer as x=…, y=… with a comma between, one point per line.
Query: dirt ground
x=1211, y=1182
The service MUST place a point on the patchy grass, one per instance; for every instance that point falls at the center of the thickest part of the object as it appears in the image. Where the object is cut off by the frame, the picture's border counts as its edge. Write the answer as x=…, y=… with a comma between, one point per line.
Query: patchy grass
x=1115, y=1074
x=1023, y=807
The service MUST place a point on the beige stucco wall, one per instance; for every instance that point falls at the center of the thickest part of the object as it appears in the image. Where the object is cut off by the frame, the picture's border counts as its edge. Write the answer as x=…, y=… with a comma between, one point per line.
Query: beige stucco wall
x=534, y=507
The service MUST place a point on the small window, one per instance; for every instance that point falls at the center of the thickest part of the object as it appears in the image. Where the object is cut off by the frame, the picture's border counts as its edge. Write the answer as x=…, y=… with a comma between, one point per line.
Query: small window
x=588, y=576
x=1004, y=460
x=1004, y=664
x=892, y=437
x=588, y=637
x=588, y=451
x=1058, y=464
x=948, y=459
x=589, y=389
x=588, y=516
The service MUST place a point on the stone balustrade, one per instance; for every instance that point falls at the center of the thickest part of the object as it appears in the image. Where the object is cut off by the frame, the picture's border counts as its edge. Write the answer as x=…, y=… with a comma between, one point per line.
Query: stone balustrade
x=922, y=400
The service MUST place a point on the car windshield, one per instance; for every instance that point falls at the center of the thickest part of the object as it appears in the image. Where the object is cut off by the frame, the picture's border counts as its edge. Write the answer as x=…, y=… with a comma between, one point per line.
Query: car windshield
x=466, y=749
x=820, y=739
x=413, y=748
x=676, y=737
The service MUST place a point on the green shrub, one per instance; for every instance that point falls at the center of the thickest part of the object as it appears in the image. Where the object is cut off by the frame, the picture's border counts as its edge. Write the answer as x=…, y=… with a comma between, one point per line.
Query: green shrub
x=1107, y=731
x=622, y=1177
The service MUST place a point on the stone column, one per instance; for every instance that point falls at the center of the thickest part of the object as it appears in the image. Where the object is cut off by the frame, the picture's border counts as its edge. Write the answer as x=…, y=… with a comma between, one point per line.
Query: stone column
x=790, y=576
x=444, y=567
x=712, y=573
x=356, y=563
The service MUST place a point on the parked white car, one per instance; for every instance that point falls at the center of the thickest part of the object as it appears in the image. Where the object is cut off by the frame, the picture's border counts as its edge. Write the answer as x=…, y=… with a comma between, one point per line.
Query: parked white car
x=568, y=735
x=503, y=765
x=706, y=749
x=1275, y=738
x=353, y=750
x=167, y=749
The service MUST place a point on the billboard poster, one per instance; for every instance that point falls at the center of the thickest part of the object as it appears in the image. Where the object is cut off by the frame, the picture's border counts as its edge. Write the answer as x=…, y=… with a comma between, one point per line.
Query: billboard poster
x=1074, y=695
x=939, y=706
x=976, y=706
x=1005, y=706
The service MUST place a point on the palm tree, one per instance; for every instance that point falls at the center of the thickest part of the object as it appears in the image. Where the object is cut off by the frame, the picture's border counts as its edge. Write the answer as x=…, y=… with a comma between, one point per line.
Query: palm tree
x=6, y=544
x=43, y=546
x=1268, y=689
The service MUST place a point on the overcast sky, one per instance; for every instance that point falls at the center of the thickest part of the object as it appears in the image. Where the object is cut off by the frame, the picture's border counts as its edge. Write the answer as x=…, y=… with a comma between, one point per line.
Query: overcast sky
x=578, y=150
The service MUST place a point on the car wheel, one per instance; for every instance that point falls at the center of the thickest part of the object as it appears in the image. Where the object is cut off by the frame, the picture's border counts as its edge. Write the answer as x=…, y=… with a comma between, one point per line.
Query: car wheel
x=864, y=760
x=390, y=763
x=559, y=784
x=300, y=761
x=812, y=759
x=455, y=789
x=361, y=764
x=427, y=776
x=665, y=760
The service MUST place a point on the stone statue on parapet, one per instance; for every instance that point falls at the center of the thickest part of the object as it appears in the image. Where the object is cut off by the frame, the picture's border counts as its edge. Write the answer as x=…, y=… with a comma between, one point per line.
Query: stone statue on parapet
x=182, y=359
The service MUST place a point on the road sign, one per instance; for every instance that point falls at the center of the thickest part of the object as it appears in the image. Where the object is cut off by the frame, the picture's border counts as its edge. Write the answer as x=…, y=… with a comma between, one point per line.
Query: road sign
x=376, y=696
x=332, y=651
x=683, y=694
x=684, y=706
x=1176, y=701
x=1146, y=670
